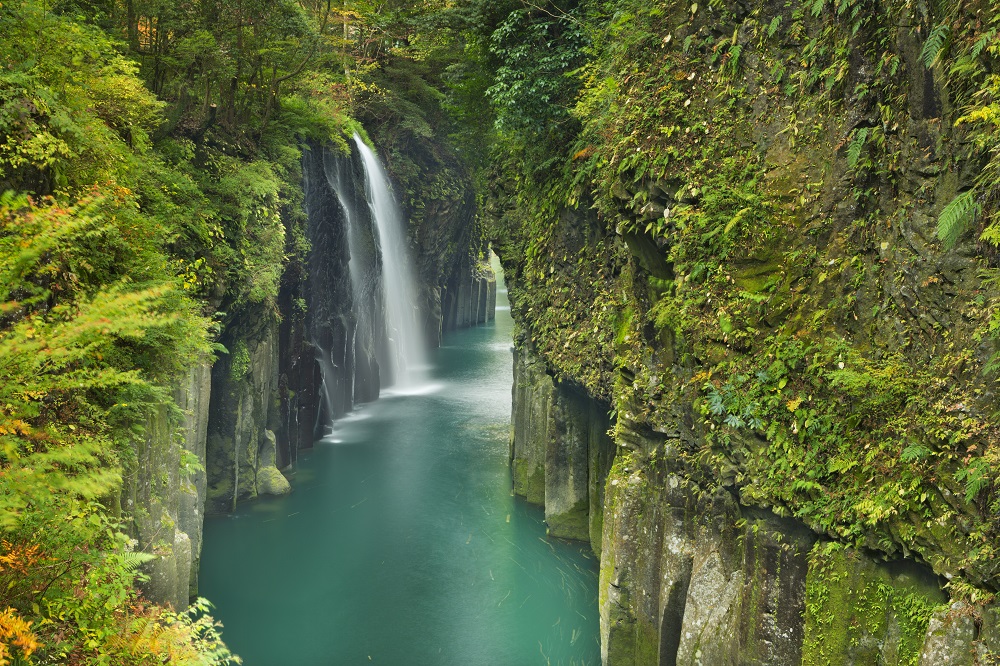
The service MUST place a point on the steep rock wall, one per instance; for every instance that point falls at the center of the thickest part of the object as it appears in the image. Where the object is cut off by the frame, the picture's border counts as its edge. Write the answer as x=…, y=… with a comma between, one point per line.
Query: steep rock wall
x=559, y=449
x=689, y=575
x=244, y=414
x=795, y=363
x=165, y=490
x=467, y=298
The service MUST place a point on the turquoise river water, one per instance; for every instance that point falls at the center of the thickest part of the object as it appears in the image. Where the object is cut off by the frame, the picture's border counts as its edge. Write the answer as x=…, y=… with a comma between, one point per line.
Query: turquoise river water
x=401, y=542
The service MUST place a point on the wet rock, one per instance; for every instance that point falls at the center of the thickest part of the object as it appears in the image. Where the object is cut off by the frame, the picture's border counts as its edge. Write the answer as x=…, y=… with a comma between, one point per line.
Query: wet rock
x=950, y=635
x=269, y=480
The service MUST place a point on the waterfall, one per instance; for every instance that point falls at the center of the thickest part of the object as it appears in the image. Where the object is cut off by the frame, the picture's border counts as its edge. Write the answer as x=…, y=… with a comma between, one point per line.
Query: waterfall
x=403, y=321
x=361, y=317
x=363, y=275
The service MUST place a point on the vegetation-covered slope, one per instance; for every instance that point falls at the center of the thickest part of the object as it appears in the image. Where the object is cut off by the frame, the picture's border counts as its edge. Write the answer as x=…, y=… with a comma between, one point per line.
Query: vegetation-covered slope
x=150, y=169
x=750, y=196
x=764, y=233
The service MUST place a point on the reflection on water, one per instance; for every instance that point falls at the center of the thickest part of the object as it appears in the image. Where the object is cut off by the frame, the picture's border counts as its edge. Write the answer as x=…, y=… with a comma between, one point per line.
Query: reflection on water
x=402, y=544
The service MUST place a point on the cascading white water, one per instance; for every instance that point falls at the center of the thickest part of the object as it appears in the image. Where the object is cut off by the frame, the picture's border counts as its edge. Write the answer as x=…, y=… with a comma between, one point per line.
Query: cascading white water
x=363, y=284
x=403, y=323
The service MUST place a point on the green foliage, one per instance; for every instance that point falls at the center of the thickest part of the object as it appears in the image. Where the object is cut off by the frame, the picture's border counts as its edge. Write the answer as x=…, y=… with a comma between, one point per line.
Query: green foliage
x=857, y=610
x=78, y=585
x=531, y=91
x=833, y=419
x=85, y=354
x=73, y=110
x=856, y=146
x=76, y=343
x=240, y=363
x=934, y=45
x=956, y=217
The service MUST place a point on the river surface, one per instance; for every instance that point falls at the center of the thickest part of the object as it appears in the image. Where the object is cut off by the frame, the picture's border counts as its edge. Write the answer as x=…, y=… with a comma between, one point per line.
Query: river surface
x=401, y=542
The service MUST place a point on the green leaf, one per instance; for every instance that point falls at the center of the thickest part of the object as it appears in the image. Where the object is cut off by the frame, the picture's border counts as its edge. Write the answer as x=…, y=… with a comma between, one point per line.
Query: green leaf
x=956, y=217
x=914, y=452
x=857, y=145
x=773, y=27
x=934, y=45
x=982, y=43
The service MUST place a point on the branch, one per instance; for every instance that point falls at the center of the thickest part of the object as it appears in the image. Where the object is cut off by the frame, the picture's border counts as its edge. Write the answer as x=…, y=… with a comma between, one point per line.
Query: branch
x=561, y=15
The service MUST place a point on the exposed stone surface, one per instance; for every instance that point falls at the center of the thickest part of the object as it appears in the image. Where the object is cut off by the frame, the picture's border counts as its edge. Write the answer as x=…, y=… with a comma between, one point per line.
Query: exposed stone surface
x=950, y=638
x=560, y=451
x=689, y=577
x=193, y=400
x=269, y=480
x=470, y=296
x=165, y=491
x=244, y=406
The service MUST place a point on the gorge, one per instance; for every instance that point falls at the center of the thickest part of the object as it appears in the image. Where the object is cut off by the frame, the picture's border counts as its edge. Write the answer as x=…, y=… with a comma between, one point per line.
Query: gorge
x=402, y=541
x=750, y=251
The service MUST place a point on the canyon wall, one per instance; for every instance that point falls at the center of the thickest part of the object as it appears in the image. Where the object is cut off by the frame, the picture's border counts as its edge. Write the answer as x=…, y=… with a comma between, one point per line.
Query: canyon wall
x=744, y=289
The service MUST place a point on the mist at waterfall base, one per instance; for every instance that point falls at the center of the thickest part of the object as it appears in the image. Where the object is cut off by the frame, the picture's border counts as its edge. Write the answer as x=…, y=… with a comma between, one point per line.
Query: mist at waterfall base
x=401, y=542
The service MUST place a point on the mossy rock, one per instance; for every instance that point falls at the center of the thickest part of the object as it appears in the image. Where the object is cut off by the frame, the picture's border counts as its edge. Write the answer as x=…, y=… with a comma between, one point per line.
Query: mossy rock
x=270, y=481
x=859, y=612
x=572, y=524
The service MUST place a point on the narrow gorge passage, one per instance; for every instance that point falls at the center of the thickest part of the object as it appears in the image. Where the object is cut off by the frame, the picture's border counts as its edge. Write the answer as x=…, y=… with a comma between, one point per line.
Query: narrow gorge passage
x=401, y=541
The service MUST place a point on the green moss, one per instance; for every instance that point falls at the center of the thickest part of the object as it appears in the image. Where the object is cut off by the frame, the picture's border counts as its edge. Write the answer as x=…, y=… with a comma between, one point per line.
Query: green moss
x=239, y=364
x=857, y=613
x=571, y=524
x=529, y=480
x=758, y=277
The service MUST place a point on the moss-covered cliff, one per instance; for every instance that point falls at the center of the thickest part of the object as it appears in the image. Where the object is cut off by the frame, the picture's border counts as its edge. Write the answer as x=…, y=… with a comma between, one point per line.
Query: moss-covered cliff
x=736, y=244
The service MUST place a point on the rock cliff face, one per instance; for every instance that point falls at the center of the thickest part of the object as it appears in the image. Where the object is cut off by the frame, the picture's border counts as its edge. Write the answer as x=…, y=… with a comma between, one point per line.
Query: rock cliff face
x=691, y=576
x=166, y=489
x=799, y=401
x=468, y=297
x=560, y=450
x=242, y=420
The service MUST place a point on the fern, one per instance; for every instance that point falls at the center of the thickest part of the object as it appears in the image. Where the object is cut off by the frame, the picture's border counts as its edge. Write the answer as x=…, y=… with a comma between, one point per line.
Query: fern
x=991, y=234
x=982, y=43
x=914, y=452
x=857, y=145
x=733, y=65
x=773, y=27
x=976, y=477
x=130, y=561
x=934, y=45
x=956, y=218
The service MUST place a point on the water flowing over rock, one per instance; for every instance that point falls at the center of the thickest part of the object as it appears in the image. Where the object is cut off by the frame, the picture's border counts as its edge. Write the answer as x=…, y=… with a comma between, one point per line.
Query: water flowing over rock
x=344, y=289
x=403, y=319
